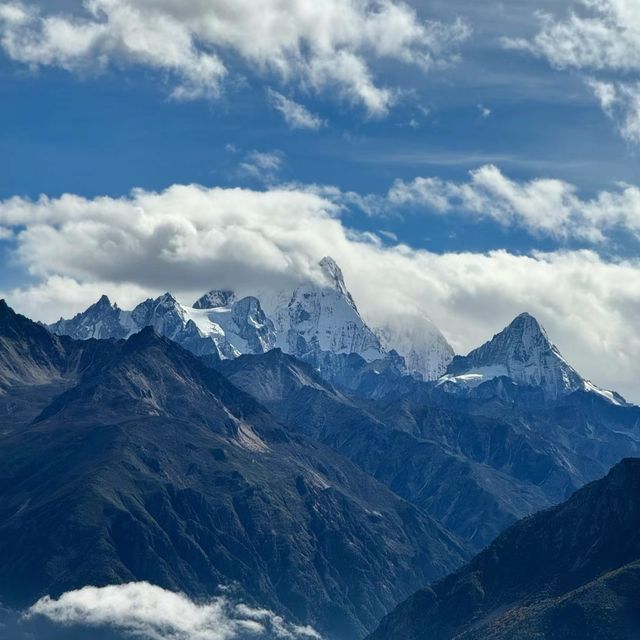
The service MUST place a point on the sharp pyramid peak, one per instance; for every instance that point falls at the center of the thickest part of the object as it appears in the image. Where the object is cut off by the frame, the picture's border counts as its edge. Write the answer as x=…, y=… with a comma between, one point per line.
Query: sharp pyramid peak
x=526, y=324
x=167, y=298
x=333, y=276
x=103, y=302
x=331, y=270
x=525, y=318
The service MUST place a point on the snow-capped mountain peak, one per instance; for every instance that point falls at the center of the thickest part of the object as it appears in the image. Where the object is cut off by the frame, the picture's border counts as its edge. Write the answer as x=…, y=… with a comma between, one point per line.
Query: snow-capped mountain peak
x=323, y=317
x=524, y=353
x=101, y=320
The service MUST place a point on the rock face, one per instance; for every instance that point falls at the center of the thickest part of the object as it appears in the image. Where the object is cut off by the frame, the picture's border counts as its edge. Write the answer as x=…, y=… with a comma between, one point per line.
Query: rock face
x=523, y=353
x=571, y=571
x=141, y=464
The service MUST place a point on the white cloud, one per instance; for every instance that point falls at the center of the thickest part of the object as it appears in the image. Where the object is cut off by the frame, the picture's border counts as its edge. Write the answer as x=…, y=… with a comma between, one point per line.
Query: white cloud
x=543, y=206
x=189, y=239
x=328, y=45
x=5, y=233
x=149, y=612
x=297, y=116
x=597, y=37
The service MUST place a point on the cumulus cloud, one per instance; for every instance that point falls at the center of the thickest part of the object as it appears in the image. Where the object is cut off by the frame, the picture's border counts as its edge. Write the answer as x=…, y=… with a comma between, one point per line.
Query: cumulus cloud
x=189, y=239
x=543, y=206
x=147, y=611
x=328, y=45
x=297, y=116
x=597, y=37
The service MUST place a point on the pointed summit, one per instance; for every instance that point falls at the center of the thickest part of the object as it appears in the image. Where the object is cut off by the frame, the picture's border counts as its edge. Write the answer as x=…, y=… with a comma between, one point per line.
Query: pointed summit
x=103, y=302
x=5, y=309
x=523, y=352
x=333, y=274
x=144, y=339
x=323, y=317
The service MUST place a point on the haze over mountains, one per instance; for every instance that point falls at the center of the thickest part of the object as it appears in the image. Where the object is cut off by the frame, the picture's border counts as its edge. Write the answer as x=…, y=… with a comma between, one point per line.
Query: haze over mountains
x=279, y=446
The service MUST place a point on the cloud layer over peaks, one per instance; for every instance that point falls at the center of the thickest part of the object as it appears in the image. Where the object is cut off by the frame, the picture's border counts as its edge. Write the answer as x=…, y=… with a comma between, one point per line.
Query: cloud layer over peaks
x=190, y=239
x=319, y=46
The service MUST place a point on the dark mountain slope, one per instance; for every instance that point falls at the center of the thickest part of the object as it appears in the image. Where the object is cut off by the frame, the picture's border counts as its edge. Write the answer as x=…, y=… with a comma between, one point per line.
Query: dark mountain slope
x=476, y=473
x=154, y=467
x=569, y=572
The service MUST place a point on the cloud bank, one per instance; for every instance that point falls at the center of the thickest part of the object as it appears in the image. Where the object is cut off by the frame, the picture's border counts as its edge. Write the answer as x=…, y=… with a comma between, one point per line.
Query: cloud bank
x=189, y=239
x=150, y=612
x=333, y=45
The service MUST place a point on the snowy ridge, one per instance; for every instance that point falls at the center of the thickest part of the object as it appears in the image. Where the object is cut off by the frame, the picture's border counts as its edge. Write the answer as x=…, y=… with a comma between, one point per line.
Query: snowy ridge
x=315, y=318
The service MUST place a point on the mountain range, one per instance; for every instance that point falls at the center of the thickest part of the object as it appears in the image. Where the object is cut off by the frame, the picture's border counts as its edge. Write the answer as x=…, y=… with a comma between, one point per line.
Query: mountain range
x=314, y=319
x=278, y=445
x=140, y=463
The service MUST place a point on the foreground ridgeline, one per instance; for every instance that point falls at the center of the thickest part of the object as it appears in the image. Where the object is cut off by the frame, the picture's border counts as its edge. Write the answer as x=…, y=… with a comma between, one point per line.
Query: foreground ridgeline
x=279, y=447
x=570, y=572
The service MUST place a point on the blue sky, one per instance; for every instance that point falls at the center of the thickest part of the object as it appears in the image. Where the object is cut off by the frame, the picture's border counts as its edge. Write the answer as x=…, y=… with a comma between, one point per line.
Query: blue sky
x=100, y=121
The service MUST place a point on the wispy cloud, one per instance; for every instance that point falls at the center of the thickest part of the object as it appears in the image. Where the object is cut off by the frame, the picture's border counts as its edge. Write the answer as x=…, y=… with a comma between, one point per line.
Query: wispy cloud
x=599, y=39
x=149, y=612
x=297, y=116
x=262, y=166
x=485, y=112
